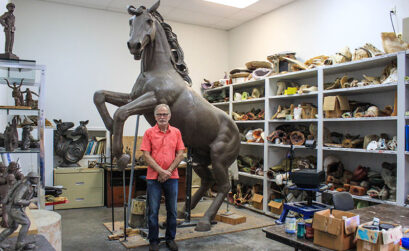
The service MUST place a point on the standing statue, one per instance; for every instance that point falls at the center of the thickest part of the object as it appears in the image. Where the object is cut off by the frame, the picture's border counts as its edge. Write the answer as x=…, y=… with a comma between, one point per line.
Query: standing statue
x=4, y=188
x=7, y=20
x=70, y=148
x=16, y=94
x=208, y=131
x=18, y=198
x=11, y=136
x=12, y=175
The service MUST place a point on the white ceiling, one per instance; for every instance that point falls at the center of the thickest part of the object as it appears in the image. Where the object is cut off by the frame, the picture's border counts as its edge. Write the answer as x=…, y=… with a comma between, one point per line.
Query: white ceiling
x=196, y=12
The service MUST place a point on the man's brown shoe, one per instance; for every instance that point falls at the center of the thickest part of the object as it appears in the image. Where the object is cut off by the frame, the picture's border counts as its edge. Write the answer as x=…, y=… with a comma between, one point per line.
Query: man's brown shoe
x=172, y=245
x=153, y=246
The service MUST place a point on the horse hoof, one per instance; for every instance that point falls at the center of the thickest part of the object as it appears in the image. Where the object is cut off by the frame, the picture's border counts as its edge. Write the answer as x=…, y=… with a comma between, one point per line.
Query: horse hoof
x=123, y=161
x=203, y=226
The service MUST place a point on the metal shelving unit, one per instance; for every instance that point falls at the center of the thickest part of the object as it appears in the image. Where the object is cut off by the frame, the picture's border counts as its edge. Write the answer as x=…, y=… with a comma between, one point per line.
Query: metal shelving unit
x=273, y=153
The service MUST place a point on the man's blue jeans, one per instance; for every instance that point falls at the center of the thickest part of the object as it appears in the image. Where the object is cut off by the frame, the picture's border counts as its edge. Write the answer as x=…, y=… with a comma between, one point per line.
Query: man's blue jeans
x=170, y=188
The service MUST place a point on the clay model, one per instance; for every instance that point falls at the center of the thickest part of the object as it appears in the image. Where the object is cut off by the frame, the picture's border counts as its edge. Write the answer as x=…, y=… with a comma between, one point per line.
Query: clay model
x=70, y=148
x=18, y=198
x=26, y=137
x=164, y=79
x=11, y=136
x=17, y=94
x=7, y=20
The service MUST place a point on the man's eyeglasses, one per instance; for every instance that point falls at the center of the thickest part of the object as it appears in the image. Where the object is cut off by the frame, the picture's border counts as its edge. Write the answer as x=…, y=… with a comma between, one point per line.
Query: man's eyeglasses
x=162, y=114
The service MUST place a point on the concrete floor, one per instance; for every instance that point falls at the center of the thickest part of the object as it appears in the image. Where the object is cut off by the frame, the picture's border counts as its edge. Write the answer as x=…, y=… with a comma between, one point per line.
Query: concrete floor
x=83, y=229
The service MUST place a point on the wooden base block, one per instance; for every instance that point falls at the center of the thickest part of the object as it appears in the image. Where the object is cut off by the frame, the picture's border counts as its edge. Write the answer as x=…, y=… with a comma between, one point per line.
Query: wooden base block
x=230, y=218
x=15, y=107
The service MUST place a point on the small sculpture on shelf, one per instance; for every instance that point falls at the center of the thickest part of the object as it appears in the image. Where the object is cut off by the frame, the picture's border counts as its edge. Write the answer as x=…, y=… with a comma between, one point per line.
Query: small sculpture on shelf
x=26, y=137
x=17, y=94
x=11, y=136
x=70, y=148
x=7, y=20
x=16, y=201
x=29, y=101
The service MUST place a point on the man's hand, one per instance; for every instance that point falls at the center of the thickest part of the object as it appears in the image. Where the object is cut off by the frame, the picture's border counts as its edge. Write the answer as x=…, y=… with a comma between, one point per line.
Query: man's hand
x=164, y=175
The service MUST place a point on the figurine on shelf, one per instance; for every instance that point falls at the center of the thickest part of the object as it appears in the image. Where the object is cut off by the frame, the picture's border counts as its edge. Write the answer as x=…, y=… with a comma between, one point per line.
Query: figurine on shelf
x=26, y=137
x=11, y=136
x=7, y=20
x=3, y=190
x=18, y=198
x=70, y=149
x=17, y=94
x=29, y=101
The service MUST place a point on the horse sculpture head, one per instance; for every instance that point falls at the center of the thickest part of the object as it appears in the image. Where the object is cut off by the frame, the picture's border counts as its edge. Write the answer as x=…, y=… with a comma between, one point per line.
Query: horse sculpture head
x=63, y=126
x=143, y=28
x=81, y=129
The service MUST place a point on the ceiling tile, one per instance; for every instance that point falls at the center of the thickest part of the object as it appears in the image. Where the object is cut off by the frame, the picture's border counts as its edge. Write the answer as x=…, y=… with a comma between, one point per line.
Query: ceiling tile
x=191, y=17
x=264, y=6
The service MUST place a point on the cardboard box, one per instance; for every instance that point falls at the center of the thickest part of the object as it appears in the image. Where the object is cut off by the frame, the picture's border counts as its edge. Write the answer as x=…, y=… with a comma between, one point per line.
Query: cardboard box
x=332, y=231
x=335, y=106
x=276, y=207
x=257, y=201
x=375, y=240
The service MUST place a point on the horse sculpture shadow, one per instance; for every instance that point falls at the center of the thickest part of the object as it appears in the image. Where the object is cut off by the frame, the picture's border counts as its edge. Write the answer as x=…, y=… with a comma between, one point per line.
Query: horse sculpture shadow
x=70, y=148
x=212, y=136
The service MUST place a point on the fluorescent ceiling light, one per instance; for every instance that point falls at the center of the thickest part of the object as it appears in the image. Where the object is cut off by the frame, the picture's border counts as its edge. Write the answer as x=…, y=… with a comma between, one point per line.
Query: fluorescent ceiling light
x=234, y=3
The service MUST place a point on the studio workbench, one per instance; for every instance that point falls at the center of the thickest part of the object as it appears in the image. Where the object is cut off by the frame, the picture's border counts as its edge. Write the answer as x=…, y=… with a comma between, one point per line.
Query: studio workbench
x=385, y=212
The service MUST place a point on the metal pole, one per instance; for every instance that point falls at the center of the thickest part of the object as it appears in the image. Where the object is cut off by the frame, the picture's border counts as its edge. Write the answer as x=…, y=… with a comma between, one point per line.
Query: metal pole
x=125, y=206
x=188, y=184
x=132, y=169
x=112, y=185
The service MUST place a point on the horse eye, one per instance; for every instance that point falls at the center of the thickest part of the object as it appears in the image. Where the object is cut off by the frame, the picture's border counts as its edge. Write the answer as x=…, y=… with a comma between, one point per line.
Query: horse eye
x=149, y=21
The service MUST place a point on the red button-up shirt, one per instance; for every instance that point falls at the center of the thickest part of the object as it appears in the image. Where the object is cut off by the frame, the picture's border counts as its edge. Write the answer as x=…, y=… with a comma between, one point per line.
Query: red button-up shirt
x=162, y=147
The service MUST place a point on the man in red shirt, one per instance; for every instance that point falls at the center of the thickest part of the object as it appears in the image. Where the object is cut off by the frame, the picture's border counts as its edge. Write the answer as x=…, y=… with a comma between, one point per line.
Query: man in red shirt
x=162, y=148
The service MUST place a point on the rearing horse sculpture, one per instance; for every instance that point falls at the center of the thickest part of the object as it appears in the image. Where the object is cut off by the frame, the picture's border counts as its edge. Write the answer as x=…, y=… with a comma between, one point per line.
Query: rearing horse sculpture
x=208, y=131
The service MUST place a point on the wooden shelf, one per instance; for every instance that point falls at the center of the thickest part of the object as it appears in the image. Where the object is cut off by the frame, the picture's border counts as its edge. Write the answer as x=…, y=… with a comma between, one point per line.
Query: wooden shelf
x=357, y=150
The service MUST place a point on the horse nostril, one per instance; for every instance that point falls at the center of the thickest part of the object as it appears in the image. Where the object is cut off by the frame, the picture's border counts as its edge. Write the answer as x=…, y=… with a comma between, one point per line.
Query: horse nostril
x=138, y=46
x=129, y=45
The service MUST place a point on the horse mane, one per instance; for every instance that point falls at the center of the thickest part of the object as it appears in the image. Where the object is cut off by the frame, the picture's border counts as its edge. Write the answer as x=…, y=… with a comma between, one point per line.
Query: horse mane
x=177, y=56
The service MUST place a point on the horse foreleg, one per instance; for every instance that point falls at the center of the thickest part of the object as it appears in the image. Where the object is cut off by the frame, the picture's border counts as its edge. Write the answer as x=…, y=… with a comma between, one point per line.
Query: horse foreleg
x=115, y=98
x=143, y=104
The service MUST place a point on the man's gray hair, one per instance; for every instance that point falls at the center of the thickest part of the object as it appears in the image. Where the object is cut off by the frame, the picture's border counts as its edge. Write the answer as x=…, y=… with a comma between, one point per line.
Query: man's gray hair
x=160, y=106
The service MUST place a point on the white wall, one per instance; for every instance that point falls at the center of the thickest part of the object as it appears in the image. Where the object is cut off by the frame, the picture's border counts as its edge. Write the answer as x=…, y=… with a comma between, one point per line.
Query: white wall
x=85, y=50
x=314, y=27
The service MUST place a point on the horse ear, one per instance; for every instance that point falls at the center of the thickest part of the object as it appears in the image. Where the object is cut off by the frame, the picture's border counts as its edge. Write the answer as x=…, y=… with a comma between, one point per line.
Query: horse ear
x=155, y=6
x=84, y=122
x=55, y=121
x=131, y=10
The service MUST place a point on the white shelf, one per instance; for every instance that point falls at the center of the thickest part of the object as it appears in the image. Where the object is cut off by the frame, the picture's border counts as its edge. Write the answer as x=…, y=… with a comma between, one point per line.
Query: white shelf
x=289, y=146
x=357, y=150
x=93, y=156
x=253, y=100
x=406, y=117
x=367, y=198
x=292, y=121
x=251, y=175
x=311, y=94
x=366, y=63
x=249, y=121
x=310, y=73
x=249, y=84
x=15, y=111
x=365, y=89
x=252, y=143
x=360, y=119
x=407, y=152
x=252, y=208
x=220, y=103
x=216, y=89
